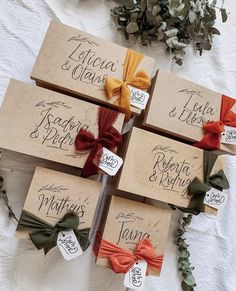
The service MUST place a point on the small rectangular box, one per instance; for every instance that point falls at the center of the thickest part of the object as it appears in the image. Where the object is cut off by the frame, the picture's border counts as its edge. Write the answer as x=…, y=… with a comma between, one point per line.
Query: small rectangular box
x=160, y=168
x=180, y=107
x=128, y=222
x=42, y=123
x=78, y=63
x=52, y=194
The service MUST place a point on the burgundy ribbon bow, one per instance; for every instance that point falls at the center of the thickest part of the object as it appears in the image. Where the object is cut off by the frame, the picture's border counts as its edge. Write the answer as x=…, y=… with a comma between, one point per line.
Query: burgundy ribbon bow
x=108, y=137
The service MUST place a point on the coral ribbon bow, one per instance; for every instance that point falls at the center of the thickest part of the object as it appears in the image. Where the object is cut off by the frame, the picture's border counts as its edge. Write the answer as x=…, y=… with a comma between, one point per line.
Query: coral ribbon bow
x=139, y=80
x=211, y=140
x=122, y=260
x=108, y=137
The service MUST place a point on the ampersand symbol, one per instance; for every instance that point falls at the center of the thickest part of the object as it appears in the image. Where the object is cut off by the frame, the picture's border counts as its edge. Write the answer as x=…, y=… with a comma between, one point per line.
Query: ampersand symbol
x=66, y=66
x=34, y=134
x=173, y=112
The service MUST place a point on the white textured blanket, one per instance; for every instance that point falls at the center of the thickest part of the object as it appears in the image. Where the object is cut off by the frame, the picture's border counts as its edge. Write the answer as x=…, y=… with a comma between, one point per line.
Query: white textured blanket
x=212, y=240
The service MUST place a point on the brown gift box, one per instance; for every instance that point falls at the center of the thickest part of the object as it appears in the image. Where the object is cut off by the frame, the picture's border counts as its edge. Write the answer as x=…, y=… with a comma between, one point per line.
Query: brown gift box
x=52, y=194
x=44, y=124
x=160, y=168
x=78, y=63
x=128, y=222
x=180, y=107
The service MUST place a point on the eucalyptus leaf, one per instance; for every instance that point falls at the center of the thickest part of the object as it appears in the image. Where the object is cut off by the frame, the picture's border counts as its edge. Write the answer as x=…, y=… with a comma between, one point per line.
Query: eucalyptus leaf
x=224, y=14
x=172, y=32
x=189, y=280
x=214, y=30
x=132, y=27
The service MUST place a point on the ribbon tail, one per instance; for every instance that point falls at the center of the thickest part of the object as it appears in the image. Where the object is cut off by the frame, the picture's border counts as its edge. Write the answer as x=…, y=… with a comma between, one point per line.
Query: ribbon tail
x=83, y=237
x=91, y=167
x=197, y=190
x=219, y=181
x=227, y=115
x=124, y=102
x=43, y=240
x=113, y=86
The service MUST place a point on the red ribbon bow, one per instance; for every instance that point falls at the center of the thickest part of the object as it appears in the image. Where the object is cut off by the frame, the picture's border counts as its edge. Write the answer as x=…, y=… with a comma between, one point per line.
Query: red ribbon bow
x=211, y=139
x=108, y=137
x=122, y=260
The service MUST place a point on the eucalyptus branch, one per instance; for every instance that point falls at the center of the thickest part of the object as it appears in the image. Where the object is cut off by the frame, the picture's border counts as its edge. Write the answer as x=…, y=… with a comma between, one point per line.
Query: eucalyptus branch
x=3, y=196
x=176, y=23
x=184, y=265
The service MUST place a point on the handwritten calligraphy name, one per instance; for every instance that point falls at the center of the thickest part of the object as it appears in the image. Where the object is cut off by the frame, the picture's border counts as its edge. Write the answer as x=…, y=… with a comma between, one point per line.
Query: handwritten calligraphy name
x=168, y=172
x=129, y=231
x=86, y=65
x=195, y=111
x=54, y=206
x=55, y=131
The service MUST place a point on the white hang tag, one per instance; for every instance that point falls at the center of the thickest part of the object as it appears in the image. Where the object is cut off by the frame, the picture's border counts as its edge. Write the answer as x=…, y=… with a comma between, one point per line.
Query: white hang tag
x=138, y=98
x=229, y=135
x=68, y=244
x=215, y=198
x=136, y=276
x=110, y=162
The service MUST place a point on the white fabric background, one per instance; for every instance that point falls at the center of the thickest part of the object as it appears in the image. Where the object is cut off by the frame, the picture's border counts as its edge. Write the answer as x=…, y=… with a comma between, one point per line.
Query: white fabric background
x=212, y=240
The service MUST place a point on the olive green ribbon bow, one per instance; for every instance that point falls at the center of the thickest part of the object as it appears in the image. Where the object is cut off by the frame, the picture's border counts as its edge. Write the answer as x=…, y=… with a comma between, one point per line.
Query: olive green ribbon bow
x=44, y=235
x=198, y=189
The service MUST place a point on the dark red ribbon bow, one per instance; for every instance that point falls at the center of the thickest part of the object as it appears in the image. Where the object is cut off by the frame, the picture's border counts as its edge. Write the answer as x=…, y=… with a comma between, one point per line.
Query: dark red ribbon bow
x=213, y=129
x=108, y=137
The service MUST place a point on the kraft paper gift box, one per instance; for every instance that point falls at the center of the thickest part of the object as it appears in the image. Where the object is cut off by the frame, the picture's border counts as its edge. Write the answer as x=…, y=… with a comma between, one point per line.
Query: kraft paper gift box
x=128, y=222
x=160, y=168
x=52, y=194
x=42, y=123
x=180, y=107
x=78, y=63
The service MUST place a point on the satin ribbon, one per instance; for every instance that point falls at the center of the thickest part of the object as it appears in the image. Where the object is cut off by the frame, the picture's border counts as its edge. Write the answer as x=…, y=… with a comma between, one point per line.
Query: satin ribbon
x=139, y=80
x=108, y=137
x=198, y=189
x=44, y=235
x=213, y=129
x=122, y=260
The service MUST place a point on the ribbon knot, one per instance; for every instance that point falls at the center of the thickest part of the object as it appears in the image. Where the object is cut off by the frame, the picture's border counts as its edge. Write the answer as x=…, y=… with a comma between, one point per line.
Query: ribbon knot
x=44, y=235
x=198, y=189
x=213, y=129
x=139, y=80
x=121, y=260
x=108, y=137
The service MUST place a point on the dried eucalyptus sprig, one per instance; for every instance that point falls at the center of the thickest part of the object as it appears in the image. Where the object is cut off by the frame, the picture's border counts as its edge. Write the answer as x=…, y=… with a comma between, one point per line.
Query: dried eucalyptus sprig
x=3, y=196
x=177, y=23
x=184, y=265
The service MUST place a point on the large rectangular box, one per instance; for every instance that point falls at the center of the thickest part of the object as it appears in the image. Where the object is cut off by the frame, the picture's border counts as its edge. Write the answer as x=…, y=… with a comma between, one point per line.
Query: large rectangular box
x=44, y=124
x=128, y=222
x=160, y=168
x=180, y=108
x=78, y=63
x=52, y=194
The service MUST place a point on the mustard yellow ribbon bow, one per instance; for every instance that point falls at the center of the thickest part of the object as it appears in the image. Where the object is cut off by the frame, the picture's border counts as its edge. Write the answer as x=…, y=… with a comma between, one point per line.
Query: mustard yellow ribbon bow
x=140, y=80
